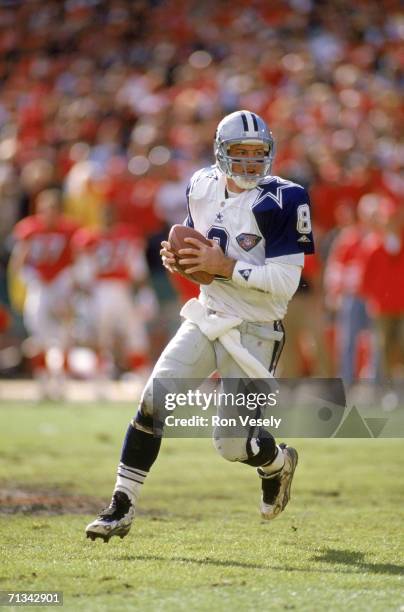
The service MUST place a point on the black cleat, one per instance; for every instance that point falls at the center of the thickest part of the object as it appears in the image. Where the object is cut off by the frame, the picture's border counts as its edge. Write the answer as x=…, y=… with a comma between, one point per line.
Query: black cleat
x=116, y=520
x=276, y=488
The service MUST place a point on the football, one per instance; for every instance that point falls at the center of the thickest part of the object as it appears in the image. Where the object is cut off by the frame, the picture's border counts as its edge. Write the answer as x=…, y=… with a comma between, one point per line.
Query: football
x=176, y=238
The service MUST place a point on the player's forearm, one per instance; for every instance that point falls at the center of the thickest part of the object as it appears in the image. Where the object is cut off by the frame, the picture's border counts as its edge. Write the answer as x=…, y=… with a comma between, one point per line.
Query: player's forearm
x=275, y=278
x=227, y=267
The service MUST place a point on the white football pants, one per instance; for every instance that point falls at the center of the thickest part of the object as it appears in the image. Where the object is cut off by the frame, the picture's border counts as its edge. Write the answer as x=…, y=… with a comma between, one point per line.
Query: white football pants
x=44, y=311
x=115, y=314
x=191, y=355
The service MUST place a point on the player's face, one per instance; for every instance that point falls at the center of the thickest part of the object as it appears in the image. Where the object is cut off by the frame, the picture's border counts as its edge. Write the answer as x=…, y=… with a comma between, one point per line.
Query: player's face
x=48, y=209
x=244, y=152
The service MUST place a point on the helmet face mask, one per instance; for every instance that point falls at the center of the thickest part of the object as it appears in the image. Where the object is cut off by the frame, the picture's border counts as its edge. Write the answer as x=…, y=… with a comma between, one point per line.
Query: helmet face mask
x=244, y=128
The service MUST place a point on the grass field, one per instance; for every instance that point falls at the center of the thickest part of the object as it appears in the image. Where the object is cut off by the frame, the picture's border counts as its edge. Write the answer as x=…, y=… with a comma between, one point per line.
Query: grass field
x=198, y=542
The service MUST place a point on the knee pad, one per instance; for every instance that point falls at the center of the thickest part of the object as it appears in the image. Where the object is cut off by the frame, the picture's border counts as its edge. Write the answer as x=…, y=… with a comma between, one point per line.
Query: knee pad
x=142, y=421
x=149, y=422
x=146, y=402
x=231, y=449
x=144, y=418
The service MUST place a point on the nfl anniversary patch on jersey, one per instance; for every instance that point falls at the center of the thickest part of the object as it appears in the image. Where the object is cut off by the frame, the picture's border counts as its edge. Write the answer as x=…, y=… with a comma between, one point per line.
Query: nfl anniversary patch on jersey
x=248, y=241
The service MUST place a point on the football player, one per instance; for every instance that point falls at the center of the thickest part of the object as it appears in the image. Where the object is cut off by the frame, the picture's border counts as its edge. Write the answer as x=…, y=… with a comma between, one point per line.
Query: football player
x=114, y=257
x=42, y=256
x=259, y=227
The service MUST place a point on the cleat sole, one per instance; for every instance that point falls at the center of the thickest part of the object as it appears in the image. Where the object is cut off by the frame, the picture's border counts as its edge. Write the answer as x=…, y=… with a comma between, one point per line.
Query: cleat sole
x=93, y=536
x=106, y=538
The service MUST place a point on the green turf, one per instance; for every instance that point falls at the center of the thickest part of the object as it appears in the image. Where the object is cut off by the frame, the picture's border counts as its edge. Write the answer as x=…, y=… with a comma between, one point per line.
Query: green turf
x=198, y=542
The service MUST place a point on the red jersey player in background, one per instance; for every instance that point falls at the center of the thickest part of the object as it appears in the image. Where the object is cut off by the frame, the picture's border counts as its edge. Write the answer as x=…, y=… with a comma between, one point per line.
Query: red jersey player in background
x=383, y=287
x=111, y=261
x=342, y=282
x=42, y=256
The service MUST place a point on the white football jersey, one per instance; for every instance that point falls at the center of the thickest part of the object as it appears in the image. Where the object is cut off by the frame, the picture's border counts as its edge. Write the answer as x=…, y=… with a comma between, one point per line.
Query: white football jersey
x=268, y=223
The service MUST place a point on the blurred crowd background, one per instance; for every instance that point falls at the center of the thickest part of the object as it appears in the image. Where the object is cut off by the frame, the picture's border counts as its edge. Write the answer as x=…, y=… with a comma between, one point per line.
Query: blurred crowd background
x=106, y=109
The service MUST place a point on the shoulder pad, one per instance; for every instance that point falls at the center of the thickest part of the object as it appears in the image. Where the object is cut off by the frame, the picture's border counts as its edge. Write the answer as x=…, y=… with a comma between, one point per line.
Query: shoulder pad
x=279, y=191
x=201, y=180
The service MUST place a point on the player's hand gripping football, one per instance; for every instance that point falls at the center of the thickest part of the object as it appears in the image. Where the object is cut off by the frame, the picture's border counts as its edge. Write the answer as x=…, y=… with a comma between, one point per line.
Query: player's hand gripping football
x=202, y=257
x=167, y=256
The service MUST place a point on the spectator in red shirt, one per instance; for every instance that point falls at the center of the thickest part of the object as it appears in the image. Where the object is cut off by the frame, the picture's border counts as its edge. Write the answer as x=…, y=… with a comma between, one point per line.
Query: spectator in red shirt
x=383, y=286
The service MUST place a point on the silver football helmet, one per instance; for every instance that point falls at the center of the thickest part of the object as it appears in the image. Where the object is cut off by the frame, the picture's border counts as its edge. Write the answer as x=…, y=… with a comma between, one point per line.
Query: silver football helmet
x=243, y=127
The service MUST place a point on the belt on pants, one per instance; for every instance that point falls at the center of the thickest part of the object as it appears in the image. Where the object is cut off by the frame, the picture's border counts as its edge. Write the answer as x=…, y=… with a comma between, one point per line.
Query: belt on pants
x=271, y=330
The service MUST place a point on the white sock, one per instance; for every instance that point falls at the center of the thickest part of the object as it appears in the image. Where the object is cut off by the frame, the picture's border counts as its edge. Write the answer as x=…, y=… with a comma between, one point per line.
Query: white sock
x=276, y=465
x=129, y=480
